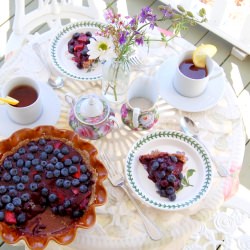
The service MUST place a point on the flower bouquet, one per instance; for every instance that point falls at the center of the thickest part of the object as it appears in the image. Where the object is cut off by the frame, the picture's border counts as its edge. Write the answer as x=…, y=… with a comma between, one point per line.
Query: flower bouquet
x=117, y=41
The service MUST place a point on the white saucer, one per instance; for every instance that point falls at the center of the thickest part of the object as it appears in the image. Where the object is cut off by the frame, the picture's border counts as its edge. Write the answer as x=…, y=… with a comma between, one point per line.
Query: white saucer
x=205, y=101
x=49, y=116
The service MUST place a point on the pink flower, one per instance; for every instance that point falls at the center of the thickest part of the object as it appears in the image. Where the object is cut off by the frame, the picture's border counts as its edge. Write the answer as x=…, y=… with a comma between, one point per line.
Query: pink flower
x=86, y=132
x=104, y=129
x=124, y=111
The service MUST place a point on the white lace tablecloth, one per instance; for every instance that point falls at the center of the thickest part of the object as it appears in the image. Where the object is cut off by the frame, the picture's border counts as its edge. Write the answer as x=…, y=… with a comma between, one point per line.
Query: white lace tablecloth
x=118, y=225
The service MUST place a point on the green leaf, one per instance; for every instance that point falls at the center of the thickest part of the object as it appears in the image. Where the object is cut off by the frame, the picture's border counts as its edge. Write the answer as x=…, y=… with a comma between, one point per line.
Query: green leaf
x=184, y=181
x=190, y=14
x=180, y=8
x=190, y=172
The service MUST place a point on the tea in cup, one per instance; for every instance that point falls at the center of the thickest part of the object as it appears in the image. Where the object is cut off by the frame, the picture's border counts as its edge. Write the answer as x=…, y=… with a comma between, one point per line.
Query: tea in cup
x=190, y=80
x=140, y=110
x=26, y=90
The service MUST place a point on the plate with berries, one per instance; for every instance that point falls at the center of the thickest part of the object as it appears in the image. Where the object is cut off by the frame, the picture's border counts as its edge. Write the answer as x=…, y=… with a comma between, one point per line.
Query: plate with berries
x=169, y=170
x=69, y=52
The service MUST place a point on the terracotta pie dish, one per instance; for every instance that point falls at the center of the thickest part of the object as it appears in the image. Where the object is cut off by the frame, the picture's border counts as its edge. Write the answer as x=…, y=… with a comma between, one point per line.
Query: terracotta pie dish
x=50, y=183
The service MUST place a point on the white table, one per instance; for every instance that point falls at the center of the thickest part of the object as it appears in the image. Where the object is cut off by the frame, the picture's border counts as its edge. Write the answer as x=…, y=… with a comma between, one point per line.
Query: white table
x=118, y=225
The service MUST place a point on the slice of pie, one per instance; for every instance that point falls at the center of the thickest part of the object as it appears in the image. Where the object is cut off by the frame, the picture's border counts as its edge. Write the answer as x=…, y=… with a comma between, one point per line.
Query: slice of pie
x=165, y=170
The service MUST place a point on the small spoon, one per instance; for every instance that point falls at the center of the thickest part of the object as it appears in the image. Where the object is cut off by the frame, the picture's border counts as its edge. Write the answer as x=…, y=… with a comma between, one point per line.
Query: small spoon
x=9, y=100
x=190, y=128
x=54, y=82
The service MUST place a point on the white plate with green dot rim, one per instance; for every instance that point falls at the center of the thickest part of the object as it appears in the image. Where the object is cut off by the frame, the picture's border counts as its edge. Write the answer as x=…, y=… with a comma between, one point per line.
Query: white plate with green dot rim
x=171, y=142
x=62, y=59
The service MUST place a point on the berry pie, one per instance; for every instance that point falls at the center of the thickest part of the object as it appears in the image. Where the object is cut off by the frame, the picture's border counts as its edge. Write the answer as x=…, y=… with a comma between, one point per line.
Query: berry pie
x=47, y=182
x=165, y=170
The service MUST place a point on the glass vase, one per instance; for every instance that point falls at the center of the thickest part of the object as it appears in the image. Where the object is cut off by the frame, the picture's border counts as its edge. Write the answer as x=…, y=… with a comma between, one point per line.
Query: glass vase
x=115, y=80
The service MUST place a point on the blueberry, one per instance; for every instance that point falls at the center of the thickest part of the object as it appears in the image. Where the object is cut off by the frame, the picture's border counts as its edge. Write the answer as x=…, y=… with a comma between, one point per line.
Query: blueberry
x=77, y=213
x=3, y=189
x=21, y=218
x=67, y=162
x=50, y=166
x=13, y=193
x=33, y=148
x=65, y=150
x=24, y=178
x=88, y=33
x=160, y=174
x=35, y=162
x=59, y=182
x=16, y=179
x=6, y=199
x=7, y=164
x=1, y=216
x=181, y=176
x=37, y=178
x=65, y=172
x=59, y=165
x=45, y=192
x=54, y=160
x=67, y=203
x=162, y=193
x=48, y=149
x=25, y=197
x=52, y=197
x=11, y=187
x=83, y=188
x=173, y=158
x=25, y=170
x=21, y=151
x=43, y=163
x=72, y=169
x=1, y=205
x=60, y=156
x=54, y=210
x=71, y=49
x=56, y=172
x=155, y=165
x=83, y=169
x=56, y=151
x=170, y=168
x=6, y=176
x=27, y=164
x=49, y=175
x=170, y=190
x=16, y=156
x=30, y=156
x=171, y=178
x=66, y=183
x=33, y=186
x=83, y=178
x=75, y=182
x=76, y=35
x=10, y=207
x=39, y=168
x=43, y=156
x=20, y=187
x=13, y=171
x=85, y=52
x=20, y=163
x=61, y=210
x=172, y=197
x=42, y=142
x=17, y=202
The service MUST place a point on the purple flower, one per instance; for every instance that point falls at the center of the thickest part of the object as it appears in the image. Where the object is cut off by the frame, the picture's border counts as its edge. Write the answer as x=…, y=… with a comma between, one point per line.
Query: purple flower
x=167, y=11
x=139, y=39
x=147, y=15
x=132, y=22
x=123, y=37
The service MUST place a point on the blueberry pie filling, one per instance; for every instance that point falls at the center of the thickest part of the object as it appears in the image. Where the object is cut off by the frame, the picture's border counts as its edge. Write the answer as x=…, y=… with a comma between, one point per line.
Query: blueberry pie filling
x=165, y=170
x=45, y=185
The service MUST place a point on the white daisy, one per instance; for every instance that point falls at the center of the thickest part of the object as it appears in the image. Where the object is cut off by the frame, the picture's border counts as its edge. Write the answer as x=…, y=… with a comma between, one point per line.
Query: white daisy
x=102, y=47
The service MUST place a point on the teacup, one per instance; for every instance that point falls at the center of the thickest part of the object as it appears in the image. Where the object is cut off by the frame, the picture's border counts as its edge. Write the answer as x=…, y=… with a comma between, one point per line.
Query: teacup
x=189, y=80
x=26, y=90
x=140, y=110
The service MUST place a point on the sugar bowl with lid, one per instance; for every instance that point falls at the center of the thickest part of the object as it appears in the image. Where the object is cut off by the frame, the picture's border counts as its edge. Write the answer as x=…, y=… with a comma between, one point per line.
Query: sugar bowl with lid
x=90, y=116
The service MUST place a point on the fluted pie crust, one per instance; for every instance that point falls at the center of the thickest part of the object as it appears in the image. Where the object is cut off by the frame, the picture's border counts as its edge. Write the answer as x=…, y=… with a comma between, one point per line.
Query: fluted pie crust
x=11, y=233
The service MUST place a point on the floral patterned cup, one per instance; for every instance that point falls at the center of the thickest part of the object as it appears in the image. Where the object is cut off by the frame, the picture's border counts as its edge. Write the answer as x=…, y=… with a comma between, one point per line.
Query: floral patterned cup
x=140, y=111
x=88, y=122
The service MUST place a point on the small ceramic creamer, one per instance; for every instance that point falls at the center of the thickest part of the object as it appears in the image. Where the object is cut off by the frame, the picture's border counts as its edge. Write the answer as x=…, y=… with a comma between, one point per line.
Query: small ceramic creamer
x=90, y=116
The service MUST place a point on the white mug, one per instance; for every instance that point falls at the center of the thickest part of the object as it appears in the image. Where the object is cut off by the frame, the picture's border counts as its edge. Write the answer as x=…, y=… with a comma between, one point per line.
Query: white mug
x=187, y=86
x=27, y=114
x=140, y=111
